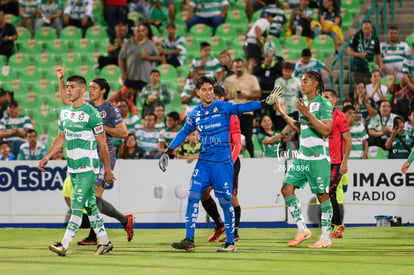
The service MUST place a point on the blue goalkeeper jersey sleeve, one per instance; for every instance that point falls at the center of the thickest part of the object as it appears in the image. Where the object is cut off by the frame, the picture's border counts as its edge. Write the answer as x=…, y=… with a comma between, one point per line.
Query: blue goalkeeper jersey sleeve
x=213, y=124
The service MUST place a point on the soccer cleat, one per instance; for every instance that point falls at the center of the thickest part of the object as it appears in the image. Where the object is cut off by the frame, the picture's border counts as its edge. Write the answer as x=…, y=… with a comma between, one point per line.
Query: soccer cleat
x=87, y=241
x=337, y=232
x=236, y=239
x=216, y=234
x=185, y=244
x=300, y=237
x=130, y=227
x=58, y=249
x=103, y=248
x=320, y=244
x=227, y=247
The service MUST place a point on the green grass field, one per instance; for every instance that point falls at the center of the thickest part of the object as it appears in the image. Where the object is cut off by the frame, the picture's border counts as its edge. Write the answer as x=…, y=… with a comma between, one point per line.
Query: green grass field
x=363, y=250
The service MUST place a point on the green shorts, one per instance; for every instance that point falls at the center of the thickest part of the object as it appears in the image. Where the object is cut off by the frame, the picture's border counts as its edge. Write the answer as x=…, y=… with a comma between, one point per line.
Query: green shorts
x=316, y=172
x=83, y=190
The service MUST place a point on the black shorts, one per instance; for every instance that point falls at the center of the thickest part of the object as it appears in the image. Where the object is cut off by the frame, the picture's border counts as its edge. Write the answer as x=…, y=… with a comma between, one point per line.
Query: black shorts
x=252, y=51
x=236, y=176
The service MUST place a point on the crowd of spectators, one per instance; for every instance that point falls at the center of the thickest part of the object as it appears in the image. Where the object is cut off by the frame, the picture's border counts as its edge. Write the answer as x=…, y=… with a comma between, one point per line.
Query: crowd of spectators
x=380, y=115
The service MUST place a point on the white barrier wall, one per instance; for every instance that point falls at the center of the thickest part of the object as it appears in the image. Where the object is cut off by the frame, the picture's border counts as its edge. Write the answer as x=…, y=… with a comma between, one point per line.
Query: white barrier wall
x=27, y=196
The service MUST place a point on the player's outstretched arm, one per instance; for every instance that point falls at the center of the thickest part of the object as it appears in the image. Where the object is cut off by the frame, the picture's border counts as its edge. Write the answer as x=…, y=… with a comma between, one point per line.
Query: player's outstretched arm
x=295, y=125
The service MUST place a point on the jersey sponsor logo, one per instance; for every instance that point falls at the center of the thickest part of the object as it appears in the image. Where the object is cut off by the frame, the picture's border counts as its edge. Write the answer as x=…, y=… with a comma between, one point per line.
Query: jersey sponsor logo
x=72, y=115
x=313, y=107
x=103, y=114
x=214, y=125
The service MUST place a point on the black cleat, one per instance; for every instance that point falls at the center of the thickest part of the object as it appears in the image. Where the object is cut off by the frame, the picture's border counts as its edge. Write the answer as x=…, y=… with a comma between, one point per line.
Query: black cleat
x=185, y=244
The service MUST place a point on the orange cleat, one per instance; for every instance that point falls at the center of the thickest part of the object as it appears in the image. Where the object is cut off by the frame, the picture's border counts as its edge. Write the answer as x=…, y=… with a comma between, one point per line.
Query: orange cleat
x=338, y=232
x=216, y=234
x=300, y=237
x=320, y=244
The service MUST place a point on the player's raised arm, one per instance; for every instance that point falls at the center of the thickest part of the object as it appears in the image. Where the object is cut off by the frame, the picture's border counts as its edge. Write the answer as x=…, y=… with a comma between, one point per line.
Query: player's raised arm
x=60, y=73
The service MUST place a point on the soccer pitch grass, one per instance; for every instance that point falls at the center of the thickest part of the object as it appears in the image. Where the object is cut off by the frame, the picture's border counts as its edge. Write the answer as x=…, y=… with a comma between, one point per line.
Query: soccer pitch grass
x=363, y=250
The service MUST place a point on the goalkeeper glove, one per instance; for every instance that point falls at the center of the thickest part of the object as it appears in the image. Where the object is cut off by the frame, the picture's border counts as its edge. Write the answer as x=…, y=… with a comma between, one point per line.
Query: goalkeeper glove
x=163, y=162
x=274, y=95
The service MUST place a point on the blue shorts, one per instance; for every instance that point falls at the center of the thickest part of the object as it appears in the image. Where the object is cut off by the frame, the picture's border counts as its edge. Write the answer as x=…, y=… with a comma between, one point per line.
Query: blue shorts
x=218, y=175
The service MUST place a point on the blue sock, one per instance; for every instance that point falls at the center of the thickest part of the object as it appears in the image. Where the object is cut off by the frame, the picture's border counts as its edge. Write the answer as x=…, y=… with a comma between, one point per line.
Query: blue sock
x=191, y=214
x=228, y=219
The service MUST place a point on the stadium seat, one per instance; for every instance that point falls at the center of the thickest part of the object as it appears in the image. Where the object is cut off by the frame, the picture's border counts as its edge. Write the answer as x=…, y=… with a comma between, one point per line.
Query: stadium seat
x=347, y=20
x=23, y=34
x=71, y=33
x=236, y=47
x=180, y=17
x=256, y=15
x=227, y=32
x=45, y=34
x=192, y=47
x=111, y=73
x=324, y=45
x=295, y=44
x=388, y=79
x=19, y=60
x=96, y=32
x=217, y=45
x=289, y=55
x=30, y=47
x=72, y=60
x=7, y=74
x=29, y=74
x=136, y=17
x=275, y=40
x=238, y=18
x=44, y=60
x=84, y=46
x=410, y=40
x=10, y=18
x=168, y=75
x=87, y=72
x=200, y=32
x=351, y=6
x=56, y=47
x=184, y=69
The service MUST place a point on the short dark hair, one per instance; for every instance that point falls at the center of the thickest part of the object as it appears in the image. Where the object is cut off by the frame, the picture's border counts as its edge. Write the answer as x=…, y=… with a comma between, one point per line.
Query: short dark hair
x=174, y=115
x=4, y=142
x=219, y=91
x=77, y=78
x=332, y=92
x=103, y=84
x=202, y=80
x=287, y=66
x=238, y=60
x=393, y=27
x=13, y=103
x=306, y=52
x=151, y=114
x=155, y=71
x=204, y=45
x=316, y=76
x=31, y=131
x=347, y=108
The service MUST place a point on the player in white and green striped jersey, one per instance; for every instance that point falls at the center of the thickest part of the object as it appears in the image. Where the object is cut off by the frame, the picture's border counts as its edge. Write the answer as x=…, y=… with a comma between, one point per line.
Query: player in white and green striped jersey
x=359, y=134
x=81, y=127
x=312, y=163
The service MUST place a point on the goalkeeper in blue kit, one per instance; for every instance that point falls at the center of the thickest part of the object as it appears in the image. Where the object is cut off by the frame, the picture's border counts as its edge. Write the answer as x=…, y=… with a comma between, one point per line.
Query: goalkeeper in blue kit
x=215, y=164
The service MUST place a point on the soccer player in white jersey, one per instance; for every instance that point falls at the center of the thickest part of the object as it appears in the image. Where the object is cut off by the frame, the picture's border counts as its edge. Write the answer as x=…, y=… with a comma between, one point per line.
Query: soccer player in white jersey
x=81, y=127
x=312, y=163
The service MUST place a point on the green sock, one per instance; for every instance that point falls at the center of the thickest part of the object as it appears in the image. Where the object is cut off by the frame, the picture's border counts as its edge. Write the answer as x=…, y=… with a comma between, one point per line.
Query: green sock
x=73, y=227
x=326, y=219
x=97, y=223
x=295, y=209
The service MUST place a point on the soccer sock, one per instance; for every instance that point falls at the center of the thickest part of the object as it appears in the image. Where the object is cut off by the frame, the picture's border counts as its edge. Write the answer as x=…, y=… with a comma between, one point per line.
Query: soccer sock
x=326, y=219
x=191, y=213
x=295, y=209
x=109, y=210
x=92, y=235
x=336, y=214
x=73, y=227
x=341, y=212
x=211, y=208
x=97, y=223
x=228, y=219
x=237, y=214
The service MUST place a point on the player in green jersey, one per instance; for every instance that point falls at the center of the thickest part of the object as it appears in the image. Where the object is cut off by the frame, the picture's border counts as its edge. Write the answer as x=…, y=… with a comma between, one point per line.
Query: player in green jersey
x=81, y=128
x=312, y=163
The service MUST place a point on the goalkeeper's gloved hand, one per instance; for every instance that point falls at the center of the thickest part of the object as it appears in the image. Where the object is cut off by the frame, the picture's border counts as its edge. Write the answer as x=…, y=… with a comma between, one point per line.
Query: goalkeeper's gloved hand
x=345, y=188
x=163, y=162
x=274, y=95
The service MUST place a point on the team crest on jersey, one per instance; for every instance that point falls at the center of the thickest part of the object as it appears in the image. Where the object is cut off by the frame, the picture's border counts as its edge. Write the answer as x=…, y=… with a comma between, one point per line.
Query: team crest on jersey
x=81, y=116
x=206, y=112
x=215, y=109
x=189, y=121
x=103, y=114
x=314, y=106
